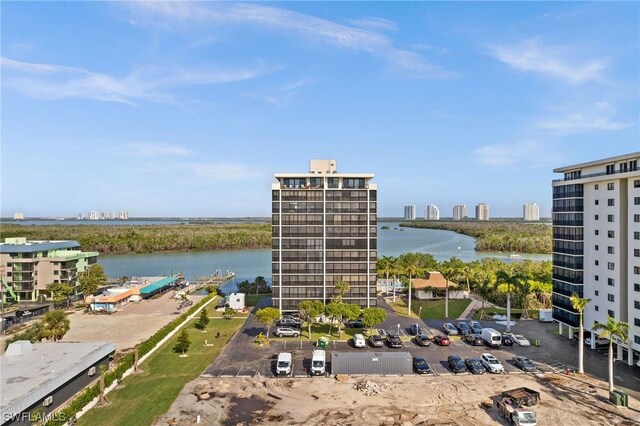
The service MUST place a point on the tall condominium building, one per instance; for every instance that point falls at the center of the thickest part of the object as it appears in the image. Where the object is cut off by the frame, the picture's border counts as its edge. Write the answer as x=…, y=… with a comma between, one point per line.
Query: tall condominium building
x=432, y=212
x=123, y=215
x=530, y=212
x=18, y=216
x=596, y=244
x=93, y=215
x=460, y=212
x=482, y=211
x=30, y=265
x=324, y=231
x=410, y=212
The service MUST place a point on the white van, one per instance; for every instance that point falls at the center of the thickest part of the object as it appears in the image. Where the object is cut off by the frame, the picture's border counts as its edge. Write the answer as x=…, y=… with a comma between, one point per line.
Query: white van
x=284, y=365
x=358, y=341
x=318, y=362
x=491, y=337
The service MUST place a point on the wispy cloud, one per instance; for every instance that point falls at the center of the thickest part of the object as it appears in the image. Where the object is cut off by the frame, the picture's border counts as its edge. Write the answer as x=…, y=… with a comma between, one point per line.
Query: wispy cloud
x=530, y=153
x=221, y=172
x=50, y=81
x=150, y=149
x=374, y=23
x=178, y=15
x=281, y=95
x=582, y=119
x=554, y=61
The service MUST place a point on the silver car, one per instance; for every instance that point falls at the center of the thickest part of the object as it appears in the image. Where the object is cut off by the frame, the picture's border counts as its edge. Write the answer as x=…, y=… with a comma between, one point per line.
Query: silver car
x=450, y=329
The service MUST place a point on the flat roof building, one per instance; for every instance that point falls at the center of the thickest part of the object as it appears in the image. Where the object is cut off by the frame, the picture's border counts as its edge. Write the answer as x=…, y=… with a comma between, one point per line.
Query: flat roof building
x=410, y=212
x=530, y=212
x=324, y=230
x=43, y=376
x=482, y=211
x=460, y=212
x=596, y=245
x=432, y=212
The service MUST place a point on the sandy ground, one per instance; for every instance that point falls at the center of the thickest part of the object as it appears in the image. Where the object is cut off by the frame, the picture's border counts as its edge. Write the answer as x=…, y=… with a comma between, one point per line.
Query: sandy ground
x=128, y=327
x=433, y=400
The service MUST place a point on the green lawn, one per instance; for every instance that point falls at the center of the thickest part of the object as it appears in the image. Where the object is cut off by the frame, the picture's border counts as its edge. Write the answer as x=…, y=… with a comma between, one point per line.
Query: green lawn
x=434, y=309
x=211, y=310
x=252, y=299
x=400, y=307
x=515, y=313
x=148, y=395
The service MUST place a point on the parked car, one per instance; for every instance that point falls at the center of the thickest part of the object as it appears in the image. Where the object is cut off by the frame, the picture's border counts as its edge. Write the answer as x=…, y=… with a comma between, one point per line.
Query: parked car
x=476, y=327
x=288, y=322
x=463, y=327
x=523, y=363
x=284, y=365
x=441, y=340
x=422, y=340
x=286, y=332
x=521, y=340
x=456, y=364
x=420, y=366
x=491, y=363
x=600, y=341
x=291, y=317
x=358, y=341
x=376, y=341
x=415, y=329
x=507, y=339
x=393, y=340
x=356, y=323
x=474, y=339
x=474, y=366
x=450, y=329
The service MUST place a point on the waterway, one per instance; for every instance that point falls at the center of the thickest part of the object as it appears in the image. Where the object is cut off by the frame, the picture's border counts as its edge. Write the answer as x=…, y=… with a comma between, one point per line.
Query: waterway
x=248, y=264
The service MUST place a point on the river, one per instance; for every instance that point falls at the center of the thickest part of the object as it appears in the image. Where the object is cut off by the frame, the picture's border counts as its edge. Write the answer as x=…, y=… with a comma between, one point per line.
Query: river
x=248, y=264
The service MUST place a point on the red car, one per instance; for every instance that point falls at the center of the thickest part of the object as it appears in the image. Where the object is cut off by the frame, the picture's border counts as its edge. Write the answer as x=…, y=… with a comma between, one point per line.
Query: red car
x=441, y=340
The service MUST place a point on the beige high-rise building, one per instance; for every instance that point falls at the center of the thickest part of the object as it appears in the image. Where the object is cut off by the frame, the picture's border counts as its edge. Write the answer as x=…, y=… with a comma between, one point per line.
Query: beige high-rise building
x=324, y=231
x=432, y=212
x=410, y=212
x=460, y=212
x=530, y=212
x=482, y=211
x=596, y=245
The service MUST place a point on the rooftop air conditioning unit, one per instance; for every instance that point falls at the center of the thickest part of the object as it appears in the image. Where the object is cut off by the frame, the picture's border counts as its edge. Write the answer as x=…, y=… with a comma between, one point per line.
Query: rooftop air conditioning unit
x=47, y=401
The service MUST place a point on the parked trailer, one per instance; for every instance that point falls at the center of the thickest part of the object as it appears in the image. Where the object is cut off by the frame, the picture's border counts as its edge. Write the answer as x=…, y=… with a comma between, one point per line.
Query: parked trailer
x=381, y=363
x=510, y=405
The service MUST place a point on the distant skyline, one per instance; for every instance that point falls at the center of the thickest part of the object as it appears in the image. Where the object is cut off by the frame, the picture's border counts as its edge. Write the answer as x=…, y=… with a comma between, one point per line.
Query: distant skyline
x=188, y=109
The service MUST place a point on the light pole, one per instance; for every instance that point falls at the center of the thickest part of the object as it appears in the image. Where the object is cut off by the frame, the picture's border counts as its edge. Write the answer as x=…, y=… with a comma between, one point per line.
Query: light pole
x=420, y=312
x=398, y=330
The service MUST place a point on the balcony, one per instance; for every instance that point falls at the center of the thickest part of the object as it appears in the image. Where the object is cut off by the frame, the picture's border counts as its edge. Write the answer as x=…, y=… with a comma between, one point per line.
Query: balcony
x=572, y=280
x=611, y=172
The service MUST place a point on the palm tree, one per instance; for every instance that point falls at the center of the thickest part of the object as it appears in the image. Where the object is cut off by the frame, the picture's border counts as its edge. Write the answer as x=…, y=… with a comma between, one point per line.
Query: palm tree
x=411, y=269
x=385, y=266
x=579, y=305
x=509, y=278
x=54, y=325
x=610, y=330
x=340, y=287
x=485, y=287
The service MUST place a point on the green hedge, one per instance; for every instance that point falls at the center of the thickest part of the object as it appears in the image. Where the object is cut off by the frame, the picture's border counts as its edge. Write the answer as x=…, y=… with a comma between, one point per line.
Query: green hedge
x=92, y=392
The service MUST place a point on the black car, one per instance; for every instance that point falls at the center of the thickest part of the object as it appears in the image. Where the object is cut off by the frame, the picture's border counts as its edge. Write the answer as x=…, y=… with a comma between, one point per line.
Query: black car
x=463, y=327
x=357, y=323
x=474, y=339
x=456, y=364
x=288, y=322
x=523, y=363
x=415, y=329
x=420, y=366
x=393, y=340
x=507, y=339
x=474, y=365
x=422, y=340
x=476, y=327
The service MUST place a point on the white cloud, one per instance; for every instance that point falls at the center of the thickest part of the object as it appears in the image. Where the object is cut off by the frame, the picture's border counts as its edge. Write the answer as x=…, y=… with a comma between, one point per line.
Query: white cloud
x=281, y=95
x=374, y=23
x=582, y=119
x=221, y=172
x=553, y=61
x=149, y=149
x=178, y=15
x=48, y=81
x=528, y=153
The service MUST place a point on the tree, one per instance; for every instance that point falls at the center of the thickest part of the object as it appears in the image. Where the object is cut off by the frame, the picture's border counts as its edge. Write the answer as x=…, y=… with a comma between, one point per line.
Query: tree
x=91, y=279
x=183, y=343
x=54, y=325
x=340, y=288
x=610, y=330
x=510, y=278
x=309, y=310
x=579, y=305
x=203, y=320
x=268, y=316
x=102, y=401
x=334, y=311
x=228, y=313
x=373, y=316
x=60, y=292
x=484, y=289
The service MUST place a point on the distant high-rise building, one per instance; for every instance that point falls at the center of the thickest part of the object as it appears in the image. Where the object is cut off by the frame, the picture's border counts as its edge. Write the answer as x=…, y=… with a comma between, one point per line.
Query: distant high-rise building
x=596, y=246
x=482, y=211
x=93, y=215
x=18, y=216
x=460, y=212
x=80, y=216
x=410, y=212
x=123, y=215
x=324, y=231
x=530, y=211
x=432, y=212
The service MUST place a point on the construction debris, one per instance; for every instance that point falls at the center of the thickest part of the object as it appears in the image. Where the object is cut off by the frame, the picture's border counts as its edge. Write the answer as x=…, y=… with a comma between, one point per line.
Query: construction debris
x=370, y=388
x=203, y=390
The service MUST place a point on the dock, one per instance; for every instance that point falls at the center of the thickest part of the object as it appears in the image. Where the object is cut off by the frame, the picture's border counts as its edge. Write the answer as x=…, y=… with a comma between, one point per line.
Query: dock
x=216, y=279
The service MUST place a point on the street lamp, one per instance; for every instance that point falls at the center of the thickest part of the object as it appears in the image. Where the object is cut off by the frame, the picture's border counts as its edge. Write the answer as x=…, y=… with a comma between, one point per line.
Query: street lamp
x=420, y=312
x=398, y=329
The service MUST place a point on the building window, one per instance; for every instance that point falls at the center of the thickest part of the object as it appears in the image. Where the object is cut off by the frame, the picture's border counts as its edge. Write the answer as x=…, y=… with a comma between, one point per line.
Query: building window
x=636, y=218
x=611, y=234
x=596, y=278
x=610, y=218
x=636, y=322
x=636, y=304
x=597, y=247
x=611, y=298
x=636, y=270
x=597, y=186
x=597, y=308
x=636, y=183
x=611, y=266
x=611, y=169
x=597, y=217
x=636, y=339
x=597, y=232
x=596, y=262
x=597, y=202
x=611, y=202
x=611, y=281
x=610, y=186
x=611, y=313
x=610, y=250
x=636, y=235
x=636, y=252
x=636, y=201
x=636, y=287
x=597, y=293
x=56, y=272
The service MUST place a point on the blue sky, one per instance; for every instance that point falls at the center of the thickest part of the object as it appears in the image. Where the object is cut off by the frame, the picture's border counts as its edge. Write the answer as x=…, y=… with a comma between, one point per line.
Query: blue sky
x=188, y=109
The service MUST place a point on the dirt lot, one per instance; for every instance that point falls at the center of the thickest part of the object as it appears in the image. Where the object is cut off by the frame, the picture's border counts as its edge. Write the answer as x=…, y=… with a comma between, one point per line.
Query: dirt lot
x=125, y=328
x=411, y=400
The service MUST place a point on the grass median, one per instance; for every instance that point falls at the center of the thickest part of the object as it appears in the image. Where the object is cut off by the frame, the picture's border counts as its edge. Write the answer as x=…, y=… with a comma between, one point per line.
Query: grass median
x=431, y=309
x=143, y=397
